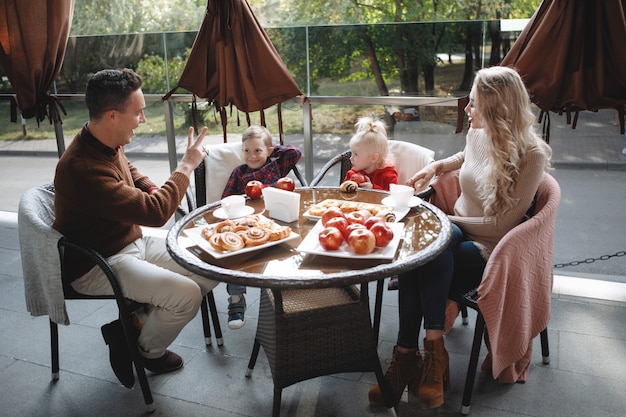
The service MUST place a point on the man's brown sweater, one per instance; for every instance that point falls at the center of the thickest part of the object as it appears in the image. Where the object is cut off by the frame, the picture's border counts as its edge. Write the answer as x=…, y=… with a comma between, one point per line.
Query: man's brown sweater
x=101, y=199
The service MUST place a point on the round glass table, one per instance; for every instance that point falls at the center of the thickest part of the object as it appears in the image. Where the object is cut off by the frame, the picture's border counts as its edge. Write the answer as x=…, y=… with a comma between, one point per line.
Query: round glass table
x=425, y=234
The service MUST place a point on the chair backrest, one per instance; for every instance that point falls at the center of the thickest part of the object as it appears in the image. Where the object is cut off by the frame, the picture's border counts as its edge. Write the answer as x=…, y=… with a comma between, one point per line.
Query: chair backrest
x=219, y=162
x=409, y=158
x=342, y=159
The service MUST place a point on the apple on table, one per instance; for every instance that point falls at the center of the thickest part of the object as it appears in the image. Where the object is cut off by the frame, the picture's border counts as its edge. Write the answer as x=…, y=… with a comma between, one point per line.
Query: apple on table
x=286, y=183
x=330, y=238
x=254, y=189
x=330, y=213
x=362, y=241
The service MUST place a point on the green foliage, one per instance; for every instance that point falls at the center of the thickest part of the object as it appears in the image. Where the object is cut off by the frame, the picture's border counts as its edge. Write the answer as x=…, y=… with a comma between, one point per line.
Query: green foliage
x=96, y=17
x=158, y=77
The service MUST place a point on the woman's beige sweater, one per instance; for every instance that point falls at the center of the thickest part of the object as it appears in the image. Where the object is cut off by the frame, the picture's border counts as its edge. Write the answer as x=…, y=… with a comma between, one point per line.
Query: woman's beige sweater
x=469, y=213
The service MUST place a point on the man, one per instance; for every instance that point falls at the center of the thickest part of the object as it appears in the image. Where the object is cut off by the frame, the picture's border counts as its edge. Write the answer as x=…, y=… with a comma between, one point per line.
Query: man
x=101, y=200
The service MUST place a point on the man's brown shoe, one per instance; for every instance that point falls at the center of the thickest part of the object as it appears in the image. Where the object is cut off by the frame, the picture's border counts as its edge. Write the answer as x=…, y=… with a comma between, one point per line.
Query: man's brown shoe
x=169, y=362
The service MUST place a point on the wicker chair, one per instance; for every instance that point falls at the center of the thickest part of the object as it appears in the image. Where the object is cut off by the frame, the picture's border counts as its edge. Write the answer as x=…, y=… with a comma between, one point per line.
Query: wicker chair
x=309, y=333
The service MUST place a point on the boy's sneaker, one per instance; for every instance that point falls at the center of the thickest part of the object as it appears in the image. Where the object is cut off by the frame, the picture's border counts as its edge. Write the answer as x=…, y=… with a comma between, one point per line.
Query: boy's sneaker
x=236, y=310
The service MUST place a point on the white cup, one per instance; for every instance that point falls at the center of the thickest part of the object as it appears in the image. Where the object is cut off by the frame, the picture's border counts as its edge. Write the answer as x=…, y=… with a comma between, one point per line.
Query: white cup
x=400, y=194
x=233, y=205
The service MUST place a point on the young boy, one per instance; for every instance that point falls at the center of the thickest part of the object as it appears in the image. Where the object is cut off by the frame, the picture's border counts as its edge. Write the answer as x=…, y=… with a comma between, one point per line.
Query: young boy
x=265, y=163
x=370, y=155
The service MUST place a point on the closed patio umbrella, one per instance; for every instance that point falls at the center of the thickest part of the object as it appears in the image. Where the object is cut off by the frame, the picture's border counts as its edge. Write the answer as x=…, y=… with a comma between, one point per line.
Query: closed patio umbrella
x=233, y=62
x=572, y=57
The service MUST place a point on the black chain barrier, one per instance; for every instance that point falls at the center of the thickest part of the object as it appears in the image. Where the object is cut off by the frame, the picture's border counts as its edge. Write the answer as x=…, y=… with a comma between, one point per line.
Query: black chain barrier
x=590, y=260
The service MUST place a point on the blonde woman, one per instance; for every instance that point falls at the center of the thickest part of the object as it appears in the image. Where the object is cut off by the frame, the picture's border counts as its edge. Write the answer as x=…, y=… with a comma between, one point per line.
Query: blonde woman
x=500, y=170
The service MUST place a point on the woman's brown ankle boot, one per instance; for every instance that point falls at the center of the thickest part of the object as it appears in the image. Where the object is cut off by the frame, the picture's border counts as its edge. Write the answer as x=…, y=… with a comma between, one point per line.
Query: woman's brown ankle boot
x=435, y=374
x=405, y=369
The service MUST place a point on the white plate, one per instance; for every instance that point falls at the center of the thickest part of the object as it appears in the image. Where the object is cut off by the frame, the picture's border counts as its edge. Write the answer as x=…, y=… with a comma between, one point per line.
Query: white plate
x=195, y=234
x=220, y=213
x=400, y=212
x=414, y=201
x=311, y=244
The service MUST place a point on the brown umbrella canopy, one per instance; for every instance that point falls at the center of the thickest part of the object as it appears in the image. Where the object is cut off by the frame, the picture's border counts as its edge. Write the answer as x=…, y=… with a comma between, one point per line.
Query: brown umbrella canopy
x=572, y=55
x=234, y=62
x=33, y=37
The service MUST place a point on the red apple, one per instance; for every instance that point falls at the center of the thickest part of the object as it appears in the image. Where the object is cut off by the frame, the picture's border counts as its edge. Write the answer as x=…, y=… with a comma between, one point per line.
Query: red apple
x=373, y=220
x=358, y=178
x=330, y=213
x=382, y=233
x=254, y=189
x=339, y=222
x=286, y=183
x=362, y=241
x=330, y=238
x=358, y=216
x=350, y=228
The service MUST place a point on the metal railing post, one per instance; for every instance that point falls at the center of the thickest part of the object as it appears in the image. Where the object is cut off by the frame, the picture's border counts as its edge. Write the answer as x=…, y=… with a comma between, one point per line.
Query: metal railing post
x=171, y=134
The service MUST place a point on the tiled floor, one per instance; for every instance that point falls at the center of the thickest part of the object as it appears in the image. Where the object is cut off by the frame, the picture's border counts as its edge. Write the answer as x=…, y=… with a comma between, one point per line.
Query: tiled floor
x=585, y=377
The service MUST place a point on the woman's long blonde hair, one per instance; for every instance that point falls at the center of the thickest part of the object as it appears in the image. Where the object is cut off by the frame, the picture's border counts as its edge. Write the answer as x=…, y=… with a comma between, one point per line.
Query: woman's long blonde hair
x=503, y=104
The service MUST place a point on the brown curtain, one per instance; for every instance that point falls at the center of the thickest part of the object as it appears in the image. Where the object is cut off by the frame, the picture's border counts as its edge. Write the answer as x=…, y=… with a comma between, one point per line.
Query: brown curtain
x=33, y=36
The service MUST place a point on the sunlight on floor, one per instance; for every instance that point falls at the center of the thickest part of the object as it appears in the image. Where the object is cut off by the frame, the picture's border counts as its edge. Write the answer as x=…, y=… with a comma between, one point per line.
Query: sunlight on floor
x=589, y=288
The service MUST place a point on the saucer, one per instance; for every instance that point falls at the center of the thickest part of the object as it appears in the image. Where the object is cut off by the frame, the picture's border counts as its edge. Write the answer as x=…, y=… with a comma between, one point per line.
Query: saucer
x=414, y=201
x=220, y=213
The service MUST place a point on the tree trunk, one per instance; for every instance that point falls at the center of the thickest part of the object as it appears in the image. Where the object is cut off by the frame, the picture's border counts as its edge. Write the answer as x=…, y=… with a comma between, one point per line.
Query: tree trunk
x=496, y=42
x=468, y=72
x=429, y=78
x=371, y=54
x=378, y=75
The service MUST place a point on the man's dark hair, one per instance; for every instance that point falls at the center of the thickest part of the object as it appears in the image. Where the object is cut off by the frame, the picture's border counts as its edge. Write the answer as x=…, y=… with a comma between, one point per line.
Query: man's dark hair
x=109, y=90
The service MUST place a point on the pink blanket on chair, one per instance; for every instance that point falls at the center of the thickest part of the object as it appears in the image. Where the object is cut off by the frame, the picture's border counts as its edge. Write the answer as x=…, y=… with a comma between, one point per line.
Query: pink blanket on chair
x=515, y=293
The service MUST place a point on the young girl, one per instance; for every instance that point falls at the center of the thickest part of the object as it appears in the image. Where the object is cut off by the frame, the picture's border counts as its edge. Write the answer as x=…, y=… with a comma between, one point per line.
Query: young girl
x=370, y=155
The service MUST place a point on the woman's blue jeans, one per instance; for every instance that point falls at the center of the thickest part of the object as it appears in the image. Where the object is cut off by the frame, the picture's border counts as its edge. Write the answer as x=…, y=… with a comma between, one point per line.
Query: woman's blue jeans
x=423, y=292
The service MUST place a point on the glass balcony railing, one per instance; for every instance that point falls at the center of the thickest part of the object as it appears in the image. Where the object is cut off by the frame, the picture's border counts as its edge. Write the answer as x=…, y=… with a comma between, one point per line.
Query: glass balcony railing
x=421, y=70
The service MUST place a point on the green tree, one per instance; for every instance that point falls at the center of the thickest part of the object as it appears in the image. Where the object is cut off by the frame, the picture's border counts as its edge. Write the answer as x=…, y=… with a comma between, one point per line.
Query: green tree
x=97, y=17
x=414, y=47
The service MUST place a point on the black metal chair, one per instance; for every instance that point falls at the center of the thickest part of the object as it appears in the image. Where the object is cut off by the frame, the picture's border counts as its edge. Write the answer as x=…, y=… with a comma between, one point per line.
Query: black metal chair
x=539, y=223
x=37, y=212
x=469, y=300
x=35, y=216
x=125, y=306
x=208, y=303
